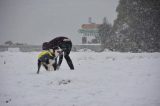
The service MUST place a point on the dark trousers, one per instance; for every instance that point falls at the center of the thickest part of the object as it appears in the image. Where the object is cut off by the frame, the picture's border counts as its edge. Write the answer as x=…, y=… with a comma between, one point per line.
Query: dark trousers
x=66, y=47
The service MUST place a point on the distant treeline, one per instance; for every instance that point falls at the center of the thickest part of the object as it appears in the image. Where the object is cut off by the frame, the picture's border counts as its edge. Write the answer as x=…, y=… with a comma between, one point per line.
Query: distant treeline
x=10, y=43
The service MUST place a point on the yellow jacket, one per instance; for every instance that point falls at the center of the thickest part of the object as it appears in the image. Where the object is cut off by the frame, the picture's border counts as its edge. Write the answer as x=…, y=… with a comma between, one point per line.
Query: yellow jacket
x=45, y=52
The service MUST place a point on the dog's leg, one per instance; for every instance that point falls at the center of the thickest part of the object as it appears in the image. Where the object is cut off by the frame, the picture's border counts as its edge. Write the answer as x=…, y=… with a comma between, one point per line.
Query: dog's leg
x=39, y=66
x=45, y=66
x=55, y=64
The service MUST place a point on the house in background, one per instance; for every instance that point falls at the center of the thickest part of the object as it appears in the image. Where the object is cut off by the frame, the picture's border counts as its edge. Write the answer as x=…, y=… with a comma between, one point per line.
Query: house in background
x=89, y=32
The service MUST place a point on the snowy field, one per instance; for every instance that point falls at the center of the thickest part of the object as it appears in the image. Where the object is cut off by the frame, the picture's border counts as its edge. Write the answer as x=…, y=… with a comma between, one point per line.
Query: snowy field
x=99, y=79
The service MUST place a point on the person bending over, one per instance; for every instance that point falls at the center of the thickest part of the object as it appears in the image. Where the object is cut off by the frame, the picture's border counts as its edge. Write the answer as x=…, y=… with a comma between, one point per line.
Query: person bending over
x=65, y=45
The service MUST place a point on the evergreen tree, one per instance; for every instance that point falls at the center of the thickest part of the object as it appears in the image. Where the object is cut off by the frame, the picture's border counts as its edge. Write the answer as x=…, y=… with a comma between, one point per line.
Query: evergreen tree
x=104, y=31
x=137, y=25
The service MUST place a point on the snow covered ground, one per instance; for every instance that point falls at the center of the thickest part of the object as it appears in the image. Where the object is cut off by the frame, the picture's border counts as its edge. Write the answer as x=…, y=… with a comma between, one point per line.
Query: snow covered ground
x=99, y=79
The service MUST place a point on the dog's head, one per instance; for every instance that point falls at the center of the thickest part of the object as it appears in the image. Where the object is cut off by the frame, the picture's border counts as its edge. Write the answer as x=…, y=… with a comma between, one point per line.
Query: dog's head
x=57, y=51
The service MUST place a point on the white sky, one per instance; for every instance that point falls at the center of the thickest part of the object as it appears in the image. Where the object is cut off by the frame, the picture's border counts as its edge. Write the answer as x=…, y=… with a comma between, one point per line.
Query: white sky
x=36, y=21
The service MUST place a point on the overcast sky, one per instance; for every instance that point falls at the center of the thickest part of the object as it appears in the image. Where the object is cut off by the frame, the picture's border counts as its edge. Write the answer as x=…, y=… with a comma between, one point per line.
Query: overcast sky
x=37, y=21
